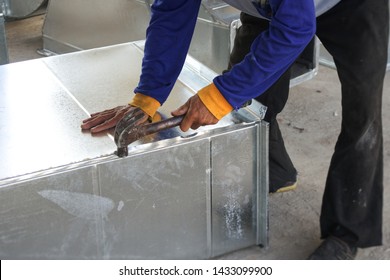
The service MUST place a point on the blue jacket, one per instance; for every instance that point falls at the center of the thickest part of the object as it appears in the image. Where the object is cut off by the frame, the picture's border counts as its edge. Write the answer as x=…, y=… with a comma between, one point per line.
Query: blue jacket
x=292, y=26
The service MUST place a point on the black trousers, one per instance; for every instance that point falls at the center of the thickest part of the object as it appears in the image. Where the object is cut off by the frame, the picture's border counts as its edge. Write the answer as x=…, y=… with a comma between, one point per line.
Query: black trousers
x=355, y=32
x=281, y=168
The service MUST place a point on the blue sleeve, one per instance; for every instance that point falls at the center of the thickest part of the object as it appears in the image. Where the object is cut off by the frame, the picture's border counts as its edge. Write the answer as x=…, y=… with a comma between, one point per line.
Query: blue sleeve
x=167, y=42
x=292, y=26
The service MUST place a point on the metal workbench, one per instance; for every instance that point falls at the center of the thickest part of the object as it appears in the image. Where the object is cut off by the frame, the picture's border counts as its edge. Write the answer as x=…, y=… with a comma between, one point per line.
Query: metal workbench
x=65, y=195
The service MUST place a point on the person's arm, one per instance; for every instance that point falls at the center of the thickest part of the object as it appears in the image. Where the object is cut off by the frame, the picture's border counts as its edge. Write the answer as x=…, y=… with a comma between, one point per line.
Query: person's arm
x=168, y=39
x=167, y=42
x=292, y=26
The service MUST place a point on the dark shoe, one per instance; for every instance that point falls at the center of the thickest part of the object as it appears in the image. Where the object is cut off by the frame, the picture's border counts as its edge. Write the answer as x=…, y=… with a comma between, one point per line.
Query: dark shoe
x=282, y=176
x=333, y=248
x=289, y=186
x=282, y=173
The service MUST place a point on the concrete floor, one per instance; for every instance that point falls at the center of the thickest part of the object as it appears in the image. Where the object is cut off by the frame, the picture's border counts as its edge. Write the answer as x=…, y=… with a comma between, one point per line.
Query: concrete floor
x=310, y=125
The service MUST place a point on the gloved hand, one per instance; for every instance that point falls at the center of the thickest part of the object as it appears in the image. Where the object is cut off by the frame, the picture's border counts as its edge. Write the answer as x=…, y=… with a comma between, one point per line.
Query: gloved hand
x=196, y=114
x=207, y=107
x=109, y=118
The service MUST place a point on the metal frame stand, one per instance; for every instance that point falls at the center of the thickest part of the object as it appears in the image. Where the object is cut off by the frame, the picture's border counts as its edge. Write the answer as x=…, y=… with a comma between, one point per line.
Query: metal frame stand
x=3, y=41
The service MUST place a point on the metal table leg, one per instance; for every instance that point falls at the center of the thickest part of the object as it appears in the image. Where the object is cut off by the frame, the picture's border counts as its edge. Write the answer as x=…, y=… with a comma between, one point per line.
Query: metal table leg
x=3, y=42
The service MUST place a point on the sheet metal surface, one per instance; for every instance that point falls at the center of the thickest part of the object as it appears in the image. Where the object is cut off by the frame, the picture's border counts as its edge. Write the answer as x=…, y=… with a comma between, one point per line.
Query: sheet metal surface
x=55, y=95
x=64, y=195
x=40, y=122
x=85, y=24
x=3, y=41
x=73, y=26
x=20, y=8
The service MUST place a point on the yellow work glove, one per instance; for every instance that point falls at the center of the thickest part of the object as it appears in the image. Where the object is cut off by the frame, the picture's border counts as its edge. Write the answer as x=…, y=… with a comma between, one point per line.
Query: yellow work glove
x=147, y=104
x=215, y=102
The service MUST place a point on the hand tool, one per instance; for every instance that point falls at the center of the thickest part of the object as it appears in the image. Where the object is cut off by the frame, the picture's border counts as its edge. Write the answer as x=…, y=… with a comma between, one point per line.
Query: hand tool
x=135, y=126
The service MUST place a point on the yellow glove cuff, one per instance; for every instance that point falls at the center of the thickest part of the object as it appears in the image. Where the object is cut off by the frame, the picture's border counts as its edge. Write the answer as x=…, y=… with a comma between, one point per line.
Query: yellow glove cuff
x=215, y=102
x=148, y=104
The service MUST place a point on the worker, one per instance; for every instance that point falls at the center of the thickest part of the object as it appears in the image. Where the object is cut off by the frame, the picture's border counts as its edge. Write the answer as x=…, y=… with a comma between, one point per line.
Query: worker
x=355, y=32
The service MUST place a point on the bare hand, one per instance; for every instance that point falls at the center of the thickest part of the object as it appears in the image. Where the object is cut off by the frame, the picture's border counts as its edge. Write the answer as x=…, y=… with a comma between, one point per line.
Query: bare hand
x=196, y=114
x=106, y=119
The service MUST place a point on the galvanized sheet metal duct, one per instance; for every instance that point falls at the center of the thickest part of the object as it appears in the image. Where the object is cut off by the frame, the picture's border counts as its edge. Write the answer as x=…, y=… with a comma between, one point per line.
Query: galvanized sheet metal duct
x=64, y=195
x=20, y=8
x=3, y=42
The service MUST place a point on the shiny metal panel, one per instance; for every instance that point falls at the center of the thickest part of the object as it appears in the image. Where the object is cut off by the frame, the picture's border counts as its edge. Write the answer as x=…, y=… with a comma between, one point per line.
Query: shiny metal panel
x=211, y=43
x=262, y=185
x=57, y=93
x=234, y=181
x=40, y=122
x=85, y=24
x=21, y=8
x=161, y=203
x=219, y=12
x=64, y=195
x=3, y=41
x=106, y=77
x=53, y=217
x=103, y=77
x=73, y=26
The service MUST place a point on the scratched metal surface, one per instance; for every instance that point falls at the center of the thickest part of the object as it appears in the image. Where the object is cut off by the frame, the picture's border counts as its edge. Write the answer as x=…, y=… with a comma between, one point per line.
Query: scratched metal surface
x=64, y=195
x=43, y=102
x=40, y=123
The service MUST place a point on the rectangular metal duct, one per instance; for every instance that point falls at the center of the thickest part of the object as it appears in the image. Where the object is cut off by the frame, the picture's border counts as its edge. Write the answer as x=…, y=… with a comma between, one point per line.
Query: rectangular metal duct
x=84, y=24
x=3, y=42
x=64, y=195
x=20, y=8
x=74, y=25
